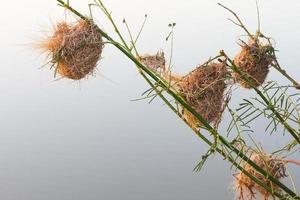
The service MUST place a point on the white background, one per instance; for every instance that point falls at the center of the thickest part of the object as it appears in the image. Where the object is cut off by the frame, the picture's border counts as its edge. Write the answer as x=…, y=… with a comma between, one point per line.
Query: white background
x=65, y=140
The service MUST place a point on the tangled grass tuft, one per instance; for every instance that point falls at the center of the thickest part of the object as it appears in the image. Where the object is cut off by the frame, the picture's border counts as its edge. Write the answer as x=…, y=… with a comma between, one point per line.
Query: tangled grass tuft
x=74, y=50
x=246, y=188
x=253, y=60
x=203, y=89
x=155, y=62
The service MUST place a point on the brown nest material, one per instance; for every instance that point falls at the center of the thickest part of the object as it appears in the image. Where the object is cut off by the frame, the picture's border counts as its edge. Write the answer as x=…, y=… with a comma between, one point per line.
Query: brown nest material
x=203, y=89
x=253, y=60
x=155, y=62
x=74, y=49
x=247, y=188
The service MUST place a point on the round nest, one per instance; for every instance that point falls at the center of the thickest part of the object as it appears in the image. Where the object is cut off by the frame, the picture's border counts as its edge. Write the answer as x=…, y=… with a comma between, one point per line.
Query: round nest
x=155, y=62
x=203, y=89
x=254, y=61
x=74, y=49
x=246, y=188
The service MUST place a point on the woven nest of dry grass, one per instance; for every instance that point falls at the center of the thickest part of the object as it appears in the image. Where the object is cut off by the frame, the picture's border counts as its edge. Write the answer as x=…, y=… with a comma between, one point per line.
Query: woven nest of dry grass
x=155, y=62
x=247, y=189
x=74, y=49
x=203, y=89
x=254, y=61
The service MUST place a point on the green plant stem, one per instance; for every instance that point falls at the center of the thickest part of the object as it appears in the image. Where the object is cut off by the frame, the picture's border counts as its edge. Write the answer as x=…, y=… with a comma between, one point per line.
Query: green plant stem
x=265, y=99
x=283, y=72
x=221, y=152
x=181, y=101
x=278, y=67
x=208, y=142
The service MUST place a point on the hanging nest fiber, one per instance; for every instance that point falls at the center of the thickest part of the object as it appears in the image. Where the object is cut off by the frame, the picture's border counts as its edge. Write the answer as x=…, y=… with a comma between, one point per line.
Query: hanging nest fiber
x=155, y=62
x=254, y=61
x=74, y=49
x=246, y=188
x=203, y=89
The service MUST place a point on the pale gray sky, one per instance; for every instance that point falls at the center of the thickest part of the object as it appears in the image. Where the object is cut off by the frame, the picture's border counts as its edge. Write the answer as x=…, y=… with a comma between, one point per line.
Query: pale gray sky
x=65, y=140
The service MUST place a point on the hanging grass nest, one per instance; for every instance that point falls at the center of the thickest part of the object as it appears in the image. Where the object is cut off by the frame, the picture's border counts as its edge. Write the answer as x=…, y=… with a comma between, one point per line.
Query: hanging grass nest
x=246, y=188
x=203, y=89
x=254, y=61
x=74, y=49
x=155, y=62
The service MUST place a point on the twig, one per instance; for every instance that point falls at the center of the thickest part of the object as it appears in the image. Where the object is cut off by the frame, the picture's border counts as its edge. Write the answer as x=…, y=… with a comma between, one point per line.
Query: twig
x=240, y=23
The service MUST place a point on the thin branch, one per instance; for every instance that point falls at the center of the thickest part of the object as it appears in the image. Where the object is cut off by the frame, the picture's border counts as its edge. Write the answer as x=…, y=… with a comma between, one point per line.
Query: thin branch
x=240, y=23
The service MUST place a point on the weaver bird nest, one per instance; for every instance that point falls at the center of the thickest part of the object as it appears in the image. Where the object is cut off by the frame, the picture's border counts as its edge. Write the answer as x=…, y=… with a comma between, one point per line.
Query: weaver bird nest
x=203, y=89
x=247, y=188
x=253, y=61
x=74, y=49
x=155, y=62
